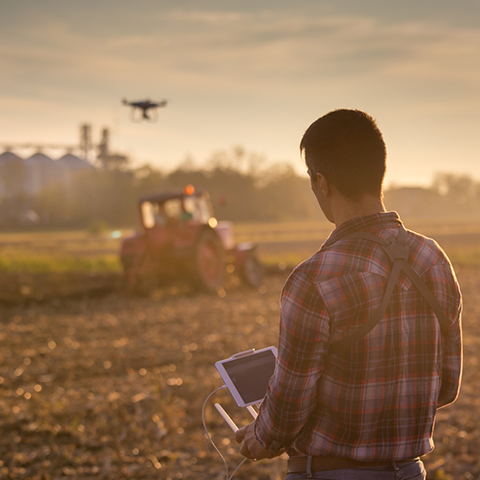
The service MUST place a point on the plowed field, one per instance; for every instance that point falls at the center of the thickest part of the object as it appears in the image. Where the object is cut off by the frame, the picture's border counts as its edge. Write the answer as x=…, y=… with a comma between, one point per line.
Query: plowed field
x=112, y=387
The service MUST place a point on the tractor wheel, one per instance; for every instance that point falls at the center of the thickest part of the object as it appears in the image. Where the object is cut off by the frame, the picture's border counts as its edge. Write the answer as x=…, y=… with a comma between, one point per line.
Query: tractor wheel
x=251, y=270
x=209, y=262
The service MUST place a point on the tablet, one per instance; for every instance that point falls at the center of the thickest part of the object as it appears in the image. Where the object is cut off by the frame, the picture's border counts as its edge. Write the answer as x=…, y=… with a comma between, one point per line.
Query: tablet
x=247, y=374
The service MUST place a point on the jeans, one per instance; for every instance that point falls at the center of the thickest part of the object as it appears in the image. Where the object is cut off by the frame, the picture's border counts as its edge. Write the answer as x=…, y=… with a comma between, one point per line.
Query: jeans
x=414, y=470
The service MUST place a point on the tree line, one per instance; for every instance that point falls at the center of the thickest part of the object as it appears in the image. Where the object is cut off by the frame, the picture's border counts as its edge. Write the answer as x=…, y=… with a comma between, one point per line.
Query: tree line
x=242, y=186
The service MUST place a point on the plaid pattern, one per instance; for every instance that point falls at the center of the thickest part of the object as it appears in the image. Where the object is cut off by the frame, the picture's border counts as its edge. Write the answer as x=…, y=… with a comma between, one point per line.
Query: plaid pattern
x=377, y=399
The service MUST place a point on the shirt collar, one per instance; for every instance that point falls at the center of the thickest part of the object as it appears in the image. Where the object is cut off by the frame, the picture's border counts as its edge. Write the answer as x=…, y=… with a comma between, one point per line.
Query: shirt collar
x=370, y=223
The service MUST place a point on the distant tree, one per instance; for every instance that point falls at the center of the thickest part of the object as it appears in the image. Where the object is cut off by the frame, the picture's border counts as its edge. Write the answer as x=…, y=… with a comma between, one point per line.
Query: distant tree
x=102, y=195
x=243, y=187
x=113, y=162
x=449, y=196
x=414, y=201
x=286, y=195
x=53, y=205
x=460, y=193
x=230, y=178
x=148, y=180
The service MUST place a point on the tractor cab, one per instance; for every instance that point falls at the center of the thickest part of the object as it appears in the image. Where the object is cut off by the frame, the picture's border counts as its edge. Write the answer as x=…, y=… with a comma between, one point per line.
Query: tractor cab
x=165, y=209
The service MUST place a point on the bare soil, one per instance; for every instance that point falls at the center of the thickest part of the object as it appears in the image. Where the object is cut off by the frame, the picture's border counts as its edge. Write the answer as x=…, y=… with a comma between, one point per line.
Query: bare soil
x=112, y=387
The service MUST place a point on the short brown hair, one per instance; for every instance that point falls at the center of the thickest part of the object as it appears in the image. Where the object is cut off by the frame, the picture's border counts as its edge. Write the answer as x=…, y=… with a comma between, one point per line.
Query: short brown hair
x=347, y=147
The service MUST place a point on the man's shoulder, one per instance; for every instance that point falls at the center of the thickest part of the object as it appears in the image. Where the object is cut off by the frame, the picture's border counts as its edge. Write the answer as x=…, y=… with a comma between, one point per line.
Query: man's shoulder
x=324, y=263
x=425, y=250
x=349, y=255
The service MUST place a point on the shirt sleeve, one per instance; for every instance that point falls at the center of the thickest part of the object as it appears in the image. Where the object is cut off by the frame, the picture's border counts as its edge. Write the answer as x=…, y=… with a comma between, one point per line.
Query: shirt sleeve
x=452, y=358
x=303, y=345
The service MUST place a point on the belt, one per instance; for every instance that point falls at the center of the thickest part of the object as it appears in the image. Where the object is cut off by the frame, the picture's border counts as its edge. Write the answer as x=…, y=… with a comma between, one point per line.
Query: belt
x=321, y=463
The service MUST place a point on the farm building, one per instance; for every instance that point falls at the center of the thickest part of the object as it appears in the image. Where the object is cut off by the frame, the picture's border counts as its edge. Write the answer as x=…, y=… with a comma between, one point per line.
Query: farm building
x=22, y=180
x=41, y=172
x=12, y=175
x=69, y=164
x=28, y=177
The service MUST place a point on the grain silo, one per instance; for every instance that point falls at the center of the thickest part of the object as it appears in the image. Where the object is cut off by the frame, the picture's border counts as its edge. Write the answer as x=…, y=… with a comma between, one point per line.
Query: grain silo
x=13, y=174
x=42, y=172
x=70, y=165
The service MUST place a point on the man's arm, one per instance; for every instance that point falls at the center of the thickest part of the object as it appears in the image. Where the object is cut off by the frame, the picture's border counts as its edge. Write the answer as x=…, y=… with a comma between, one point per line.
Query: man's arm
x=452, y=360
x=303, y=345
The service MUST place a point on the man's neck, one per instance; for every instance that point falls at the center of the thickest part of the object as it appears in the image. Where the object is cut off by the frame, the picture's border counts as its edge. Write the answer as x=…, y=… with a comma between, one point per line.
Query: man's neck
x=344, y=209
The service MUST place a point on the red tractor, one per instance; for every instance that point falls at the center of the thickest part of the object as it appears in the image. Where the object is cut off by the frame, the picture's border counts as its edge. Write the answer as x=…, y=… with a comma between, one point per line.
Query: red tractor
x=181, y=239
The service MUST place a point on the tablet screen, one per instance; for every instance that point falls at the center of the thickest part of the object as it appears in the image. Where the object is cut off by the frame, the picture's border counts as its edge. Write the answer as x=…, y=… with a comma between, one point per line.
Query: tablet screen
x=250, y=375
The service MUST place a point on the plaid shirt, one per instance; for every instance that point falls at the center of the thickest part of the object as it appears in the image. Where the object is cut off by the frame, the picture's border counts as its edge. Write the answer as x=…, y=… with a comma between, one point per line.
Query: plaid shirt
x=376, y=400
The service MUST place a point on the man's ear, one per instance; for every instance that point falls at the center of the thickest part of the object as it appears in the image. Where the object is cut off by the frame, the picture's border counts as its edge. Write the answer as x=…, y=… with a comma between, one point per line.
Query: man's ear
x=324, y=184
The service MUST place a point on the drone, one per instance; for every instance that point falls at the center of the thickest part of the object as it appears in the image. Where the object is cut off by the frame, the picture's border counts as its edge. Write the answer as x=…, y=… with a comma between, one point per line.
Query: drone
x=143, y=106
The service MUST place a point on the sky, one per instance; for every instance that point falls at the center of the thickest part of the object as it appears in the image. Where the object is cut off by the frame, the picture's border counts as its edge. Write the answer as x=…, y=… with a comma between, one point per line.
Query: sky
x=245, y=73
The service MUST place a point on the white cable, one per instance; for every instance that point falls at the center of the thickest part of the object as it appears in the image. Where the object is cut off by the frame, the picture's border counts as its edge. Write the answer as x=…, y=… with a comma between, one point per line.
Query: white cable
x=206, y=431
x=211, y=441
x=239, y=465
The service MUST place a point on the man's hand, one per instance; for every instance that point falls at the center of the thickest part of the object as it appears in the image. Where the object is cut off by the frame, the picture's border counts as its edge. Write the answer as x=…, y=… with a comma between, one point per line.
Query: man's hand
x=250, y=447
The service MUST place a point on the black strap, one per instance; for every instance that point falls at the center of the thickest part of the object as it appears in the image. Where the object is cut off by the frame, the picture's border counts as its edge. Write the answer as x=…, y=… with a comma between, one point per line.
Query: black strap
x=398, y=254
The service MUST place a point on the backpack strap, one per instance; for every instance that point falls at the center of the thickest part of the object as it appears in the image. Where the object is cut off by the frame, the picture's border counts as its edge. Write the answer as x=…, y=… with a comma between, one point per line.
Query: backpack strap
x=398, y=253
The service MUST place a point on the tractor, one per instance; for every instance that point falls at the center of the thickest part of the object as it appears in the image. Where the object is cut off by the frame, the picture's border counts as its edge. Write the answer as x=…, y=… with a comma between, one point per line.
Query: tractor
x=182, y=239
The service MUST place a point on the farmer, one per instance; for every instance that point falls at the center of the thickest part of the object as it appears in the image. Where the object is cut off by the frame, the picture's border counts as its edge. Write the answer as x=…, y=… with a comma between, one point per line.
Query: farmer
x=363, y=363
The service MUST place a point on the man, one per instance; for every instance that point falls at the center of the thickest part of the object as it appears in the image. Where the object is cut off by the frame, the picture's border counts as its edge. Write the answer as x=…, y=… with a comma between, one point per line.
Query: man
x=363, y=409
